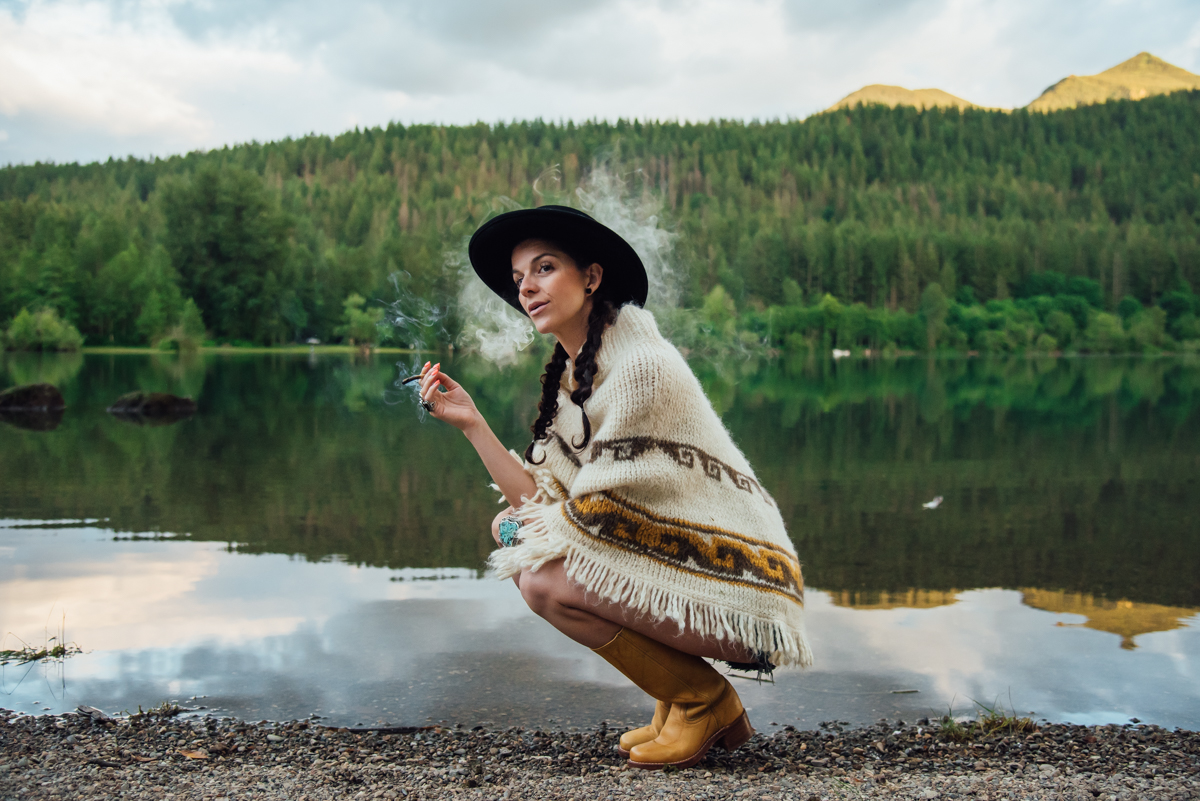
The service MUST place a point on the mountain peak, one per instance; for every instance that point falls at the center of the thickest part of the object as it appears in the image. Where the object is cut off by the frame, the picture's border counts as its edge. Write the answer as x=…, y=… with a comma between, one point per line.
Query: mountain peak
x=1142, y=76
x=1143, y=61
x=892, y=96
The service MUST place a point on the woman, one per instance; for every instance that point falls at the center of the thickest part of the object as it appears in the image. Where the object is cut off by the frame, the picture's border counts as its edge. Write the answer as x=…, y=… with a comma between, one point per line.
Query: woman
x=635, y=525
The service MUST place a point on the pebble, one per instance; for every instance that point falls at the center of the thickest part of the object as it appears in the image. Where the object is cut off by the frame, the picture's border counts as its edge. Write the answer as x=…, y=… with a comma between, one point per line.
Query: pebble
x=152, y=758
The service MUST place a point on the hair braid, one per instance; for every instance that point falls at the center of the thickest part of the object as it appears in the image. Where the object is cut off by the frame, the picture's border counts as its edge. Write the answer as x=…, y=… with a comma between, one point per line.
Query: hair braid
x=602, y=315
x=600, y=318
x=548, y=405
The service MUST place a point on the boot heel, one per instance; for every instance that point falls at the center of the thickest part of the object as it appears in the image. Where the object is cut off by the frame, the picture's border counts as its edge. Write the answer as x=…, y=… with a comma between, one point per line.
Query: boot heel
x=739, y=732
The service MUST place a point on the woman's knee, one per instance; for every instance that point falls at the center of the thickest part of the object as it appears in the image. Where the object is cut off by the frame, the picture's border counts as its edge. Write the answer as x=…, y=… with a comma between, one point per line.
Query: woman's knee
x=547, y=590
x=537, y=591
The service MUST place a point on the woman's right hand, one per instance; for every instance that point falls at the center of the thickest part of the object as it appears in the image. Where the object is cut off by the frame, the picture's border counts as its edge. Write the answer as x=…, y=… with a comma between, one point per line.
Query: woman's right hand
x=453, y=406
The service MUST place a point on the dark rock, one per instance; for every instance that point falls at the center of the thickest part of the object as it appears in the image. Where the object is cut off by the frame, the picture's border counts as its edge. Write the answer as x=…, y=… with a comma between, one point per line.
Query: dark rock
x=33, y=420
x=152, y=408
x=32, y=398
x=36, y=407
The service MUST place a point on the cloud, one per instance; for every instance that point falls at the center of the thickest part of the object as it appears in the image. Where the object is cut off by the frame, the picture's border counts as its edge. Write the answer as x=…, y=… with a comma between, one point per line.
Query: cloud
x=425, y=48
x=85, y=79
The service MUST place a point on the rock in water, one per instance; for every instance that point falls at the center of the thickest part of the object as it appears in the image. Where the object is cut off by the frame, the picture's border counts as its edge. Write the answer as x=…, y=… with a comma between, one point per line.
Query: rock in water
x=33, y=420
x=156, y=408
x=32, y=398
x=36, y=407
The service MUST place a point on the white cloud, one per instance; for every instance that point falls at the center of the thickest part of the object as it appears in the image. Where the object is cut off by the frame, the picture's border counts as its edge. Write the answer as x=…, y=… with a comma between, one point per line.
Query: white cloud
x=84, y=79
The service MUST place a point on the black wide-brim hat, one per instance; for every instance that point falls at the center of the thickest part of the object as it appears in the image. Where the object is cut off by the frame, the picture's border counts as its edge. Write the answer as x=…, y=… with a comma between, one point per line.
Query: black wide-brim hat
x=492, y=245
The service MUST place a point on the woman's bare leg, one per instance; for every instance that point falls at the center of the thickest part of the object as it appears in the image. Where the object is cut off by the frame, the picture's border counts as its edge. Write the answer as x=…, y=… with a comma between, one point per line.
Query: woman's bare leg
x=590, y=621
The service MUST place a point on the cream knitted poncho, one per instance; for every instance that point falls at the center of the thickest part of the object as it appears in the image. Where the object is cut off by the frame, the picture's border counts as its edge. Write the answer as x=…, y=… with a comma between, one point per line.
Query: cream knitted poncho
x=661, y=512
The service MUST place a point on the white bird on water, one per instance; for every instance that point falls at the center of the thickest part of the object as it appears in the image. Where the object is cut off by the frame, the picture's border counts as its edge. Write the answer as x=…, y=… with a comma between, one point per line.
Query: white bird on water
x=935, y=503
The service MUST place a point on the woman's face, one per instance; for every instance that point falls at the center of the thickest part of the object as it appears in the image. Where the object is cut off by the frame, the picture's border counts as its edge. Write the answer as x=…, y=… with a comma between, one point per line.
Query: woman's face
x=553, y=289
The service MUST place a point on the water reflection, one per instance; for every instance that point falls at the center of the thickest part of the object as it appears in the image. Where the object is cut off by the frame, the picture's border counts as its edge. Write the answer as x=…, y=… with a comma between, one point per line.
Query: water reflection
x=275, y=637
x=908, y=599
x=32, y=420
x=300, y=546
x=1127, y=619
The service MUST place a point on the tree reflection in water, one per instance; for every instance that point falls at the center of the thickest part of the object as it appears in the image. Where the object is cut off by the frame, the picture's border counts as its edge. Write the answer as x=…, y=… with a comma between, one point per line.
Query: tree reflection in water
x=1079, y=477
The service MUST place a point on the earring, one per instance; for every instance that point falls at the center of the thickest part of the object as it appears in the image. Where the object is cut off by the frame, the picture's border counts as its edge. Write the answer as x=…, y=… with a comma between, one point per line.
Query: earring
x=587, y=291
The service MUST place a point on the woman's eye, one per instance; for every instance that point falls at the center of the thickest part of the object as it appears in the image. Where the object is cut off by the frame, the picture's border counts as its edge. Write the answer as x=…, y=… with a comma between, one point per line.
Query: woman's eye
x=546, y=266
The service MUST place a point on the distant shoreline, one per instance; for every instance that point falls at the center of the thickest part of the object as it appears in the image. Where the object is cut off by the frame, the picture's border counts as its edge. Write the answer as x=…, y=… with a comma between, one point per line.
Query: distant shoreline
x=858, y=354
x=302, y=349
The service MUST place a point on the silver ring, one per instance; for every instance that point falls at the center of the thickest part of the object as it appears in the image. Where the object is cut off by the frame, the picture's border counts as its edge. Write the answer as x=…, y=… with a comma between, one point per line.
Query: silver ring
x=427, y=405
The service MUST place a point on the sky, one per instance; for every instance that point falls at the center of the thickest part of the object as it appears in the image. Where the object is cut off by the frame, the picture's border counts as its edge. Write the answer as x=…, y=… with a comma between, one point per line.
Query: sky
x=82, y=80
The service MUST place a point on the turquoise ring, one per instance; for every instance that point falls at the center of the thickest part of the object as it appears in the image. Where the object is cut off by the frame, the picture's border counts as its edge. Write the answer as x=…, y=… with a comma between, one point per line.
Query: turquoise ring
x=509, y=526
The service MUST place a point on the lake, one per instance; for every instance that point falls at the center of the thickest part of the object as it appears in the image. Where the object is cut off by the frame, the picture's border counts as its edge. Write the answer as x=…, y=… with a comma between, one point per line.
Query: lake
x=307, y=544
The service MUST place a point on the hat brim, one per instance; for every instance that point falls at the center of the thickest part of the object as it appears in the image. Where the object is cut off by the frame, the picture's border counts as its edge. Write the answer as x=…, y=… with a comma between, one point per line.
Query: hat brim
x=492, y=245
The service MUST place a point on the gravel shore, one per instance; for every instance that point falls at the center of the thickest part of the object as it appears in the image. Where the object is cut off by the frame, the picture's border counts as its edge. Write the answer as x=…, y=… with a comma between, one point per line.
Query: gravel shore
x=158, y=757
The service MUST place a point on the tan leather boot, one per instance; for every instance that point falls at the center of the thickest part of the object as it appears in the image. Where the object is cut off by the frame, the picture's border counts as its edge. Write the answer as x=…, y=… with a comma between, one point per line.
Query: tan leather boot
x=705, y=709
x=646, y=733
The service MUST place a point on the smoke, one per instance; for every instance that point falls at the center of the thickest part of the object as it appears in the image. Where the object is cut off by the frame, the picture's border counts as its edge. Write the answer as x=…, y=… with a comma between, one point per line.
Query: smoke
x=606, y=196
x=498, y=331
x=491, y=327
x=413, y=322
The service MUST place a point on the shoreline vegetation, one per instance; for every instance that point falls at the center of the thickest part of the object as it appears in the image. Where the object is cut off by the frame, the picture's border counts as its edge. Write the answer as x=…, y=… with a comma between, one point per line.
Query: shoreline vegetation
x=926, y=230
x=163, y=755
x=1053, y=316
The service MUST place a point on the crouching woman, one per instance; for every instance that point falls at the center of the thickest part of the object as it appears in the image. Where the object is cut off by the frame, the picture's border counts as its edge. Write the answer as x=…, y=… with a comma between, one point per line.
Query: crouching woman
x=636, y=527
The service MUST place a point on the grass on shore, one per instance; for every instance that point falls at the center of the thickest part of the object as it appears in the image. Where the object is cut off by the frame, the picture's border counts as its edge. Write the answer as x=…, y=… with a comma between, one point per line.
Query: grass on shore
x=164, y=710
x=52, y=649
x=989, y=720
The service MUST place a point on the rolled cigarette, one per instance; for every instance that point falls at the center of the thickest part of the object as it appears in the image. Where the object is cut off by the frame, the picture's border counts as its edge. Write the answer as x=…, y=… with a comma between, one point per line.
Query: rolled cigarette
x=412, y=378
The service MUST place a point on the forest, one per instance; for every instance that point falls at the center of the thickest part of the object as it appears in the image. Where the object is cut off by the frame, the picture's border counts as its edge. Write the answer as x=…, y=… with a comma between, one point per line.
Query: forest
x=869, y=228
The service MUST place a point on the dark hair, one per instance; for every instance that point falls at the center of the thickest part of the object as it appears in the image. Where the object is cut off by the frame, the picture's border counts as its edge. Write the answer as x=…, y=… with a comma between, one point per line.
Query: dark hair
x=602, y=315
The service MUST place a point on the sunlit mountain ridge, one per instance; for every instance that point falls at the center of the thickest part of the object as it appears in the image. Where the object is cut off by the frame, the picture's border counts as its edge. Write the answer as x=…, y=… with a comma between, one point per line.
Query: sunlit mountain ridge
x=1144, y=75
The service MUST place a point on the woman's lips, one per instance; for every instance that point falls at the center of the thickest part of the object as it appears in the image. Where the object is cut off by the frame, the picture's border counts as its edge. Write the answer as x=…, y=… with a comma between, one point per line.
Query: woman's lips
x=534, y=308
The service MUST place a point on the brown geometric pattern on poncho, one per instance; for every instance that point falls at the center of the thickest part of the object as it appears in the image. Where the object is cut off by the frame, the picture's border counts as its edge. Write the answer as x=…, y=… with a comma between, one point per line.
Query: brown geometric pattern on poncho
x=630, y=448
x=567, y=451
x=702, y=550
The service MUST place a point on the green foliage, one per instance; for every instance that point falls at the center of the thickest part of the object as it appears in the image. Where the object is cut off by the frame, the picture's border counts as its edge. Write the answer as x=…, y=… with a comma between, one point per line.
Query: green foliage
x=361, y=326
x=720, y=312
x=934, y=308
x=191, y=323
x=227, y=238
x=1040, y=324
x=1128, y=307
x=868, y=205
x=43, y=330
x=188, y=334
x=988, y=721
x=152, y=321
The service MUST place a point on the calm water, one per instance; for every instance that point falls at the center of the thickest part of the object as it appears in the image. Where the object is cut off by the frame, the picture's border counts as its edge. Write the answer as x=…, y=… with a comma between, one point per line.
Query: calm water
x=301, y=546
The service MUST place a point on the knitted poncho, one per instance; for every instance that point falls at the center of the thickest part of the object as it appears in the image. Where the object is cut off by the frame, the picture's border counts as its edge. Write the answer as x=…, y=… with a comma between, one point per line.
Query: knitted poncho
x=661, y=512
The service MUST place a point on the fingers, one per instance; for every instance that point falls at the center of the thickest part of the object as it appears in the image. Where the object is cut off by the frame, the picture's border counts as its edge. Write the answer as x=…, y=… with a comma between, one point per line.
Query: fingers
x=427, y=378
x=447, y=382
x=431, y=382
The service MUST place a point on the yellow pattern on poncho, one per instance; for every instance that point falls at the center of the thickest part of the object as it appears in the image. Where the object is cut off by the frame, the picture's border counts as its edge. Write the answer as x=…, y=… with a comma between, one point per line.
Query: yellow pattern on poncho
x=661, y=511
